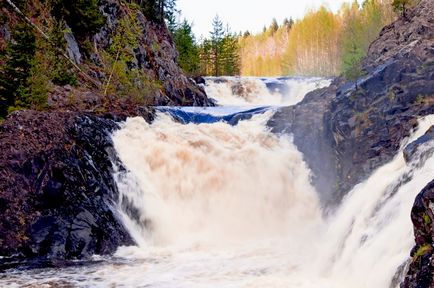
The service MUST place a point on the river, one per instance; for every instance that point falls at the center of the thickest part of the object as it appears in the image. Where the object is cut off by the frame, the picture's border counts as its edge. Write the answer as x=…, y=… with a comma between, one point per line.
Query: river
x=214, y=199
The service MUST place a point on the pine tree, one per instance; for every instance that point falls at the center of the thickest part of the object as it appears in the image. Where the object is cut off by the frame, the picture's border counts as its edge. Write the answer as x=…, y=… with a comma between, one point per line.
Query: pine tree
x=288, y=23
x=205, y=51
x=217, y=41
x=14, y=73
x=170, y=14
x=274, y=26
x=230, y=54
x=83, y=16
x=160, y=10
x=188, y=52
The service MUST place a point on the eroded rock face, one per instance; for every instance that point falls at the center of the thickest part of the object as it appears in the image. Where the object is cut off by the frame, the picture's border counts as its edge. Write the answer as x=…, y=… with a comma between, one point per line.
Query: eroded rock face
x=155, y=53
x=420, y=273
x=312, y=136
x=152, y=52
x=361, y=124
x=57, y=194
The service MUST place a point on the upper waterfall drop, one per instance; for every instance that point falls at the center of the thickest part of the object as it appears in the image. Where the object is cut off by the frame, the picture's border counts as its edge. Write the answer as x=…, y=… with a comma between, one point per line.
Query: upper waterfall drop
x=222, y=183
x=254, y=91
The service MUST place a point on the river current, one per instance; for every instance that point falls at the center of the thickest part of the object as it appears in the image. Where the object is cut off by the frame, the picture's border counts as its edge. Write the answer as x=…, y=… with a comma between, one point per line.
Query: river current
x=223, y=202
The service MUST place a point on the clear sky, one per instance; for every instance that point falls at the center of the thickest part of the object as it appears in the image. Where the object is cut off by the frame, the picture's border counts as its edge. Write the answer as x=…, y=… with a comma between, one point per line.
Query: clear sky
x=242, y=15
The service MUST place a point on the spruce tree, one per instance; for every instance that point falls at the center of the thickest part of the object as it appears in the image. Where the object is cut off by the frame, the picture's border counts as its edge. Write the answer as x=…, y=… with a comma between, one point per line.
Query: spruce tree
x=274, y=26
x=188, y=52
x=217, y=43
x=17, y=64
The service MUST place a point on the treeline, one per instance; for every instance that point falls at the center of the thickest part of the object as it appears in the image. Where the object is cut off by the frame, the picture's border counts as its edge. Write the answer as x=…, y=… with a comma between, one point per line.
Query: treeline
x=322, y=43
x=216, y=56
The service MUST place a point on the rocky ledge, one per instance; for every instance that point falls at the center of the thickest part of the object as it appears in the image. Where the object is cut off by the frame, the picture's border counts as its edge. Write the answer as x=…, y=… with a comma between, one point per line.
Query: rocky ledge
x=351, y=128
x=57, y=195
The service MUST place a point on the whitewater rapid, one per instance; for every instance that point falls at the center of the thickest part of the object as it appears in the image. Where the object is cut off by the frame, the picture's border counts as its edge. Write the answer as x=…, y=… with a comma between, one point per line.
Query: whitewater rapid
x=227, y=204
x=236, y=209
x=255, y=91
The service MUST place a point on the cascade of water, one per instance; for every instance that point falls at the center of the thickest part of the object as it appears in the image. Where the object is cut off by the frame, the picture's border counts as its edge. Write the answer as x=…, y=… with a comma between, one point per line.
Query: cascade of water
x=235, y=91
x=213, y=182
x=220, y=205
x=226, y=186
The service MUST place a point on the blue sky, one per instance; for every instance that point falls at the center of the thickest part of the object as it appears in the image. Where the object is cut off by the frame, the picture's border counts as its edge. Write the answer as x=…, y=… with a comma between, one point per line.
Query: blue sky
x=244, y=15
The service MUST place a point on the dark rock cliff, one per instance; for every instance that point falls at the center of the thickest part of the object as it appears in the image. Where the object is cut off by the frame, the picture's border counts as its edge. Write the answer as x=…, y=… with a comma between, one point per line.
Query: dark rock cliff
x=57, y=194
x=351, y=128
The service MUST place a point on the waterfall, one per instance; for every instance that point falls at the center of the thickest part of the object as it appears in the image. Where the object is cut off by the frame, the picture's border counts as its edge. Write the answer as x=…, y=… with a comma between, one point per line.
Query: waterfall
x=213, y=183
x=285, y=91
x=235, y=205
x=214, y=199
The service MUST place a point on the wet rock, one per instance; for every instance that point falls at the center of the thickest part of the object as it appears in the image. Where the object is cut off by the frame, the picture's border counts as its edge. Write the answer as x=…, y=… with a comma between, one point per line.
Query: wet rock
x=421, y=267
x=199, y=80
x=57, y=194
x=361, y=124
x=424, y=145
x=312, y=136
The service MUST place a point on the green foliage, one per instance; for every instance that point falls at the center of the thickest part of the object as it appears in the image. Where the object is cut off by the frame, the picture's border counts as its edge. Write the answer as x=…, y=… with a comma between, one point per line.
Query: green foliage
x=125, y=80
x=352, y=42
x=422, y=250
x=401, y=5
x=219, y=55
x=217, y=44
x=13, y=74
x=159, y=10
x=188, y=59
x=230, y=55
x=61, y=73
x=83, y=16
x=170, y=13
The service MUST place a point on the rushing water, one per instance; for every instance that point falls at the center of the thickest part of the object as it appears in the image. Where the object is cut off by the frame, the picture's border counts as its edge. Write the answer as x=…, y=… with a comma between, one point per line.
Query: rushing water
x=285, y=91
x=225, y=205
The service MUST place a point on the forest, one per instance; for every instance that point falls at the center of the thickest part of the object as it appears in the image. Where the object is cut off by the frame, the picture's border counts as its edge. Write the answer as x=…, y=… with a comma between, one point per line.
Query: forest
x=322, y=43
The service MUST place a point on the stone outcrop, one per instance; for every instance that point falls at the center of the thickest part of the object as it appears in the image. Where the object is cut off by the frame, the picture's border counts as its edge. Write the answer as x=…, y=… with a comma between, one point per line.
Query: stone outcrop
x=155, y=53
x=57, y=194
x=420, y=273
x=312, y=135
x=361, y=124
x=152, y=52
x=417, y=147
